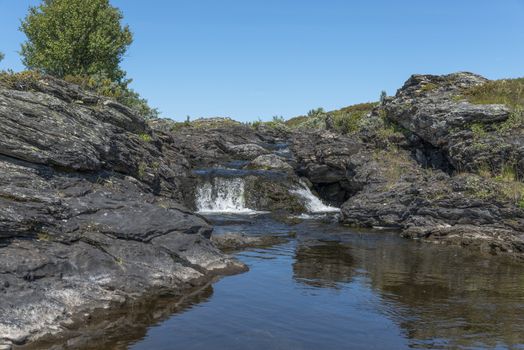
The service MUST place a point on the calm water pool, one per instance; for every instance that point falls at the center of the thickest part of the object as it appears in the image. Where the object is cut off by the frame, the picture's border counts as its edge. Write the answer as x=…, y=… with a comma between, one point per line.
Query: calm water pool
x=336, y=288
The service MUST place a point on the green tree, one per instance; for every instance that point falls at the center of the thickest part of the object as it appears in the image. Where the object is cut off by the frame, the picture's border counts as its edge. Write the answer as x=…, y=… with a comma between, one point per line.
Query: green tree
x=383, y=97
x=1, y=56
x=75, y=37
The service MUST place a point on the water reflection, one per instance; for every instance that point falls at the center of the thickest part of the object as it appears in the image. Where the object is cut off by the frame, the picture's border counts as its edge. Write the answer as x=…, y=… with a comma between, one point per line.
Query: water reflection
x=326, y=265
x=441, y=297
x=333, y=288
x=120, y=328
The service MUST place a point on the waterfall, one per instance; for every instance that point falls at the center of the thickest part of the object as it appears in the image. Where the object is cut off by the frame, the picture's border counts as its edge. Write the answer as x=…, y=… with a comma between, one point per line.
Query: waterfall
x=222, y=195
x=313, y=203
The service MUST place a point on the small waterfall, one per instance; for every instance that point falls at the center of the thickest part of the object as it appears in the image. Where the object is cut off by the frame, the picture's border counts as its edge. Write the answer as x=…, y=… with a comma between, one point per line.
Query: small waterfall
x=313, y=203
x=221, y=195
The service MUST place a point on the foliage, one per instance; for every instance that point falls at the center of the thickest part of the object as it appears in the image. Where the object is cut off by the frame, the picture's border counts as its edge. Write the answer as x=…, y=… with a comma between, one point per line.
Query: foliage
x=506, y=91
x=1, y=56
x=507, y=182
x=345, y=120
x=75, y=37
x=120, y=92
x=19, y=81
x=383, y=97
x=315, y=112
x=145, y=137
x=429, y=87
x=349, y=119
x=478, y=130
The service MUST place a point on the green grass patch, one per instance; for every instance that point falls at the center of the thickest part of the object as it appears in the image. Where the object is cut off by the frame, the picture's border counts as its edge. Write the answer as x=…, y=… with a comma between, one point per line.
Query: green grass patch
x=19, y=81
x=509, y=92
x=145, y=137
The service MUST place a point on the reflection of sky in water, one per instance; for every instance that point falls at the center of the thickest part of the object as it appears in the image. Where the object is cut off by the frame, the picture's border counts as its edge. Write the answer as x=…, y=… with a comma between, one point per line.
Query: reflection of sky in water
x=358, y=289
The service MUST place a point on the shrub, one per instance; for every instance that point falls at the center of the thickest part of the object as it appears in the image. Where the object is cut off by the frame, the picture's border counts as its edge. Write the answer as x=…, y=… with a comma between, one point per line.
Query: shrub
x=145, y=137
x=19, y=81
x=383, y=97
x=120, y=92
x=315, y=112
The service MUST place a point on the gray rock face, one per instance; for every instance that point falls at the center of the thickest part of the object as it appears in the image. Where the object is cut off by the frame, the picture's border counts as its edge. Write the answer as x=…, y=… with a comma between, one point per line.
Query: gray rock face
x=324, y=159
x=399, y=188
x=270, y=162
x=91, y=211
x=430, y=107
x=215, y=144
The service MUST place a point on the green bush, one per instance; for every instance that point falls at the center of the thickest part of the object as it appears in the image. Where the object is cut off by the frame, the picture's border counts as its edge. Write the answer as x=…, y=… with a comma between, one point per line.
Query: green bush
x=120, y=92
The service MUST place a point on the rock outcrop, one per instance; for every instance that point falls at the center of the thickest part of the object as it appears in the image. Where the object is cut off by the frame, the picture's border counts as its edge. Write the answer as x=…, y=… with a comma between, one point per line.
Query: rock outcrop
x=92, y=212
x=436, y=177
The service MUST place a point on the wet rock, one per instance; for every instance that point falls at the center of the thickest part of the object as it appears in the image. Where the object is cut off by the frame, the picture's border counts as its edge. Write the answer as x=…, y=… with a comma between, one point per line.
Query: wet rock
x=323, y=157
x=237, y=241
x=485, y=239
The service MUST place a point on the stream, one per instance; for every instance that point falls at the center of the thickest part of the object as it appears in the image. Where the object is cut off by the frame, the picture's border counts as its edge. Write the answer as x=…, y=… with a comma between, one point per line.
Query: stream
x=332, y=287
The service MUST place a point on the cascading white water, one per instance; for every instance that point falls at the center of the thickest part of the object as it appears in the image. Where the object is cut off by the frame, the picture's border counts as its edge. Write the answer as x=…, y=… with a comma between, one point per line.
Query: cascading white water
x=312, y=202
x=222, y=195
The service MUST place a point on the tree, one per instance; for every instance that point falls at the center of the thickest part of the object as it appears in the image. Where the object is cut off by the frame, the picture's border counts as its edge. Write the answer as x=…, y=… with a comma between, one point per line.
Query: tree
x=1, y=56
x=383, y=97
x=315, y=112
x=75, y=37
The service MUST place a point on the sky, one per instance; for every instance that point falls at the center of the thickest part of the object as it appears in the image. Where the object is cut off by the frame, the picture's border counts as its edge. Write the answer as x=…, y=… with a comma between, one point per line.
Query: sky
x=251, y=59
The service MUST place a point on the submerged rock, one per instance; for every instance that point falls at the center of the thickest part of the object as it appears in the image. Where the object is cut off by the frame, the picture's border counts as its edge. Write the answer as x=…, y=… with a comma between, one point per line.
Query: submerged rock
x=237, y=241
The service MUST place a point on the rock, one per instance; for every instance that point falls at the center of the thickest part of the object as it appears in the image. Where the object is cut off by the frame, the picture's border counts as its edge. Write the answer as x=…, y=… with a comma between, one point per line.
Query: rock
x=92, y=210
x=273, y=194
x=237, y=241
x=247, y=151
x=323, y=158
x=269, y=162
x=431, y=108
x=486, y=239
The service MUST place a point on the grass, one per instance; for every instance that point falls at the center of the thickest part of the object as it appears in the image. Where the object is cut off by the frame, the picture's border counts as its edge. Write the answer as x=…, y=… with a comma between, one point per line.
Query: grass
x=429, y=87
x=19, y=81
x=478, y=130
x=394, y=164
x=509, y=92
x=508, y=184
x=145, y=137
x=346, y=120
x=141, y=171
x=43, y=236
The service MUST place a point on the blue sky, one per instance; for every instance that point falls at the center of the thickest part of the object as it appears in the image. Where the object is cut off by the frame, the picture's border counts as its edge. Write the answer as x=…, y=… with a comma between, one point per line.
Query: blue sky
x=259, y=58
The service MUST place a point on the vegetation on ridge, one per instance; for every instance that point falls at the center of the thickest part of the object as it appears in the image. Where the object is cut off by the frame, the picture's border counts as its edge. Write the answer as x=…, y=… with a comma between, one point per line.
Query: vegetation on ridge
x=509, y=92
x=84, y=43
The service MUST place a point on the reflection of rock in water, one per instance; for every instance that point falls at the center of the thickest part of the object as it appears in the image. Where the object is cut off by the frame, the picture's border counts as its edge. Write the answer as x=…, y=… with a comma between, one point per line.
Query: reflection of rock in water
x=445, y=297
x=323, y=265
x=118, y=329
